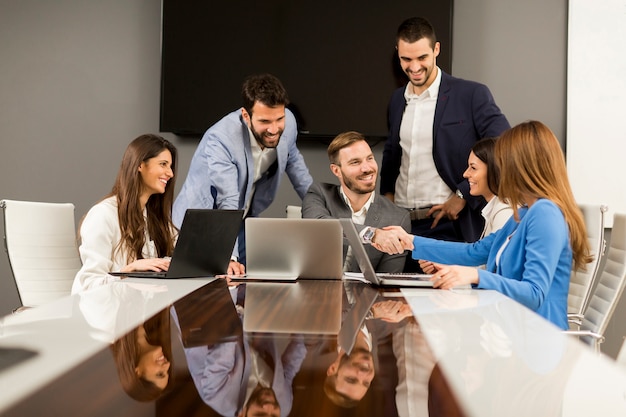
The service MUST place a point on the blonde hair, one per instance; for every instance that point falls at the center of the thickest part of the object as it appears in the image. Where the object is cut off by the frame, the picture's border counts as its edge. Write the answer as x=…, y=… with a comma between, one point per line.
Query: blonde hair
x=532, y=164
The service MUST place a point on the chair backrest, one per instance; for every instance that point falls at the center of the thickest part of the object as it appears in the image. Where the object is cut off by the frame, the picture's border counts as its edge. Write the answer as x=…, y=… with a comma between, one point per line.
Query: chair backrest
x=582, y=282
x=610, y=283
x=40, y=240
x=294, y=212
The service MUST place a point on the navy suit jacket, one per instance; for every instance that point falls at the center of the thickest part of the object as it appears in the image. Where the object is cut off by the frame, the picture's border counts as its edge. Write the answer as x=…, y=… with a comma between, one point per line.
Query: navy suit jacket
x=465, y=113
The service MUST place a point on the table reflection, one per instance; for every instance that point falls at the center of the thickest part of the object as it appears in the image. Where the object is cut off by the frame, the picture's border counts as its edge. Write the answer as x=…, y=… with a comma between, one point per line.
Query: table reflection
x=419, y=352
x=142, y=355
x=301, y=373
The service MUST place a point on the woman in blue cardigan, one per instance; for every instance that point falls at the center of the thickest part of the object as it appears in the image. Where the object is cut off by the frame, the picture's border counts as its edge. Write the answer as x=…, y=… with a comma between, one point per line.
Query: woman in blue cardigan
x=531, y=257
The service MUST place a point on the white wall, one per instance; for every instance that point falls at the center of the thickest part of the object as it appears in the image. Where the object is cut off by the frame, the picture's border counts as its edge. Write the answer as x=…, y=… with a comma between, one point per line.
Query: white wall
x=80, y=79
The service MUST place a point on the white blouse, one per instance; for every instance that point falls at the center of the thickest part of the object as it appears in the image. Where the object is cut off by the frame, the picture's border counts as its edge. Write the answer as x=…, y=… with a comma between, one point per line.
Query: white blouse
x=100, y=235
x=496, y=214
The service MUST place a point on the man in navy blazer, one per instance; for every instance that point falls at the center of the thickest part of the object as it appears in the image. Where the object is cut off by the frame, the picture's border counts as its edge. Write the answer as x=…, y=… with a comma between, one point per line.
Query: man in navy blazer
x=433, y=123
x=241, y=159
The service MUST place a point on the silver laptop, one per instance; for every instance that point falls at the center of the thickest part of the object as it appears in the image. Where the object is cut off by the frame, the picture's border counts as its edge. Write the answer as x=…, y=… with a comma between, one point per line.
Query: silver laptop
x=286, y=249
x=367, y=269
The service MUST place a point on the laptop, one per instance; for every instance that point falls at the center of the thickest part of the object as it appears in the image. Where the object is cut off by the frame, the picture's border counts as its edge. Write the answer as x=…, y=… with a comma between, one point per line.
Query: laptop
x=286, y=249
x=367, y=269
x=204, y=247
x=304, y=307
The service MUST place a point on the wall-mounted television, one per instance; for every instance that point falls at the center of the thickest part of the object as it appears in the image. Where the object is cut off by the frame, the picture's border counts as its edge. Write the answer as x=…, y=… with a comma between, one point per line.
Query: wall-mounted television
x=336, y=59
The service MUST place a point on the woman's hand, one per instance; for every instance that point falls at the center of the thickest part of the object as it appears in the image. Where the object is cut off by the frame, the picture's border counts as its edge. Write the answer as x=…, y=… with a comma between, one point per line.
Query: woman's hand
x=151, y=264
x=428, y=267
x=391, y=311
x=450, y=276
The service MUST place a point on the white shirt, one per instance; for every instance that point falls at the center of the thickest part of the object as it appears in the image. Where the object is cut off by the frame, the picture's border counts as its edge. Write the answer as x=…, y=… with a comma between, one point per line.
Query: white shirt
x=262, y=160
x=100, y=235
x=358, y=217
x=418, y=183
x=496, y=213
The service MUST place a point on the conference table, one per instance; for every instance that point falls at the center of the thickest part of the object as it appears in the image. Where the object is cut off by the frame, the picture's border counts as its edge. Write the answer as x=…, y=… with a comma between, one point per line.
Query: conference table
x=381, y=352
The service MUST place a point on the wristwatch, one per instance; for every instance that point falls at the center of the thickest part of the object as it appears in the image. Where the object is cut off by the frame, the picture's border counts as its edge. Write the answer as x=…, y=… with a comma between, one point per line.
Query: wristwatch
x=369, y=235
x=459, y=194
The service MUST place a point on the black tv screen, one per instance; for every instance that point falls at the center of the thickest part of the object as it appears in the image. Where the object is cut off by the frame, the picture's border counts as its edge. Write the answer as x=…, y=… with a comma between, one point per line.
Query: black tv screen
x=336, y=59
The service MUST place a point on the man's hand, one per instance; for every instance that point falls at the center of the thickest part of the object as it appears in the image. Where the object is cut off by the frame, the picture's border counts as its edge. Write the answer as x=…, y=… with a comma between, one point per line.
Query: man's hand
x=235, y=268
x=401, y=239
x=449, y=209
x=388, y=241
x=428, y=267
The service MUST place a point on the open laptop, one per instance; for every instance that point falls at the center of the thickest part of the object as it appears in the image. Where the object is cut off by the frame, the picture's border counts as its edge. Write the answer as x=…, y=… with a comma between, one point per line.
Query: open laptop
x=379, y=278
x=204, y=247
x=286, y=249
x=302, y=307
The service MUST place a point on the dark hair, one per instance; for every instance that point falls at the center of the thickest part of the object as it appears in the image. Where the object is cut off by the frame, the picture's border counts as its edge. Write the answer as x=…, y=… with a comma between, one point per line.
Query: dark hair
x=415, y=28
x=126, y=356
x=264, y=88
x=341, y=141
x=484, y=150
x=128, y=188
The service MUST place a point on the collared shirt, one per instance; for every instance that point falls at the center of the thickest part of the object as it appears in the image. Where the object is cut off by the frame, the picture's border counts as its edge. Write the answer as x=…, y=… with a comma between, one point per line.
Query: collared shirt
x=262, y=160
x=419, y=184
x=496, y=214
x=358, y=217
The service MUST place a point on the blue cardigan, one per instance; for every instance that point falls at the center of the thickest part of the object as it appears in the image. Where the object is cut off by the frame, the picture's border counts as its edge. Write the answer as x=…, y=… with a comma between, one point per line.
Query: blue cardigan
x=534, y=269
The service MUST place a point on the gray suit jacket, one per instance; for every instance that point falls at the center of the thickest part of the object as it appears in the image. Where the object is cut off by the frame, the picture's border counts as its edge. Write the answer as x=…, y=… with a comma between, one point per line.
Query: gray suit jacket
x=323, y=201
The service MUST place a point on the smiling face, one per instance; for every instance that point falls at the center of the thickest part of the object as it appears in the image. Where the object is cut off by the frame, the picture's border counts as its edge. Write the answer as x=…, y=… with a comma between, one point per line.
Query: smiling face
x=153, y=366
x=262, y=403
x=356, y=168
x=476, y=174
x=353, y=374
x=419, y=62
x=155, y=173
x=266, y=123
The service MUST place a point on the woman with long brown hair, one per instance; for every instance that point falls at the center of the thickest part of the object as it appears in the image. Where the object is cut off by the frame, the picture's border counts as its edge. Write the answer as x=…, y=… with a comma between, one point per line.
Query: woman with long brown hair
x=530, y=259
x=131, y=228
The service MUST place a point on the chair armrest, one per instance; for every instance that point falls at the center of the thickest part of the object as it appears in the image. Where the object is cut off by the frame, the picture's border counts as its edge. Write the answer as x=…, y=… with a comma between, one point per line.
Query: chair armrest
x=597, y=337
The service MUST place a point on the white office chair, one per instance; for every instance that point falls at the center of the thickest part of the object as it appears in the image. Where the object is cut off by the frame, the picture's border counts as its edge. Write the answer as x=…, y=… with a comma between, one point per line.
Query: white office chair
x=40, y=240
x=609, y=289
x=582, y=282
x=294, y=212
x=621, y=355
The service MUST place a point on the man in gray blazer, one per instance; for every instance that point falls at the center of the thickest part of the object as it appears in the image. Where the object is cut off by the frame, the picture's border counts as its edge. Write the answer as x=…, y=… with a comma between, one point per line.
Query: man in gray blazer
x=353, y=163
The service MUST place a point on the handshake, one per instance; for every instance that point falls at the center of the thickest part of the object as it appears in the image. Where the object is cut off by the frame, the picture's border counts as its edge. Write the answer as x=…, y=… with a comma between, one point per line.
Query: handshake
x=392, y=240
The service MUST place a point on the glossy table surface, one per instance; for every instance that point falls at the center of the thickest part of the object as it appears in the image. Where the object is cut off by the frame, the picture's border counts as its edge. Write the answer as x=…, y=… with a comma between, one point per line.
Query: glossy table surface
x=412, y=352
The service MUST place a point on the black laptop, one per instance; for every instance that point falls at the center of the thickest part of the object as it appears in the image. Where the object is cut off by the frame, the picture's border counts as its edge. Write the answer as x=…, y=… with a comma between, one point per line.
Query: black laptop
x=204, y=247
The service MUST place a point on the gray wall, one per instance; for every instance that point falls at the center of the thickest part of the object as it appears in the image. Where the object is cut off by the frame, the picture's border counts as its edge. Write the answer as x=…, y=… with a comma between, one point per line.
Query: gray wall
x=80, y=79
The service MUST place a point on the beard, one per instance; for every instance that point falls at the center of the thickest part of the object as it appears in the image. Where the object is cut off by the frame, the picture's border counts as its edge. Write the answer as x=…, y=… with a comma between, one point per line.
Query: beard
x=261, y=395
x=266, y=140
x=354, y=186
